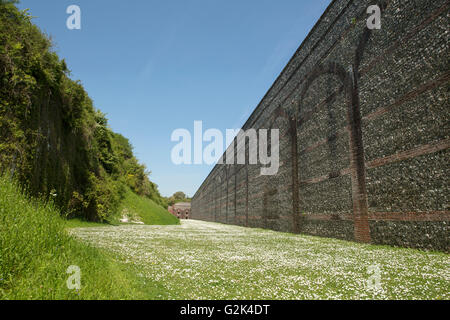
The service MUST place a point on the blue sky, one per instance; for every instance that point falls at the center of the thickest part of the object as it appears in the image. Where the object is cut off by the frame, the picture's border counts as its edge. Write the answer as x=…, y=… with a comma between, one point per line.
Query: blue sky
x=156, y=66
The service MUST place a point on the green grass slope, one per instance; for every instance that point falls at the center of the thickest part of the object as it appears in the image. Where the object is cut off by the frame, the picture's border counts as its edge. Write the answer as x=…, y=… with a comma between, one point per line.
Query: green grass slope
x=36, y=250
x=145, y=210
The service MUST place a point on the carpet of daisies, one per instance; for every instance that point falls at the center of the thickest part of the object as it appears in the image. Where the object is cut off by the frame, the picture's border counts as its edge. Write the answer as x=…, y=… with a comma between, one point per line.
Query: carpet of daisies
x=204, y=260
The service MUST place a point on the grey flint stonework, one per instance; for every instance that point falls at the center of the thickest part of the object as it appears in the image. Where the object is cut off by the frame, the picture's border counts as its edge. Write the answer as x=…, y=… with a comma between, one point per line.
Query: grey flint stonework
x=364, y=133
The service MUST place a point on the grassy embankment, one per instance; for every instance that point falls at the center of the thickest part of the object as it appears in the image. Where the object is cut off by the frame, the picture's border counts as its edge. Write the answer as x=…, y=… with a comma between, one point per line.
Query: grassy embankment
x=135, y=208
x=145, y=210
x=36, y=250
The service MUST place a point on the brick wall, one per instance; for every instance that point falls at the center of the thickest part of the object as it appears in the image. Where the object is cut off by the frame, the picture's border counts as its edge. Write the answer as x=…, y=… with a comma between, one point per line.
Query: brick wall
x=364, y=133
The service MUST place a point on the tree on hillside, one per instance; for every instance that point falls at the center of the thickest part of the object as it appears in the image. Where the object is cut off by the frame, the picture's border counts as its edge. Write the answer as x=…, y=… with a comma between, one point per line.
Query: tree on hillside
x=179, y=195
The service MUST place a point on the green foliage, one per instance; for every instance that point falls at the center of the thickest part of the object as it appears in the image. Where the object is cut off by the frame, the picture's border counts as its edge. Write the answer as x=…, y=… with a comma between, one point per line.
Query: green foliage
x=36, y=250
x=52, y=137
x=145, y=210
x=178, y=196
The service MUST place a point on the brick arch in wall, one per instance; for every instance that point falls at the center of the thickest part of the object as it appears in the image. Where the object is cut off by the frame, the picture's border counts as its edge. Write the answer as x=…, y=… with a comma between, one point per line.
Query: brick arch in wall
x=228, y=176
x=318, y=138
x=240, y=175
x=223, y=196
x=241, y=187
x=211, y=201
x=239, y=184
x=217, y=197
x=246, y=181
x=234, y=180
x=274, y=191
x=356, y=150
x=349, y=87
x=234, y=199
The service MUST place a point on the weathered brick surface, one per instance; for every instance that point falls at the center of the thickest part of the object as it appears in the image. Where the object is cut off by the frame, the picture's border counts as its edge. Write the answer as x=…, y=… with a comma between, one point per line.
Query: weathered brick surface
x=364, y=129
